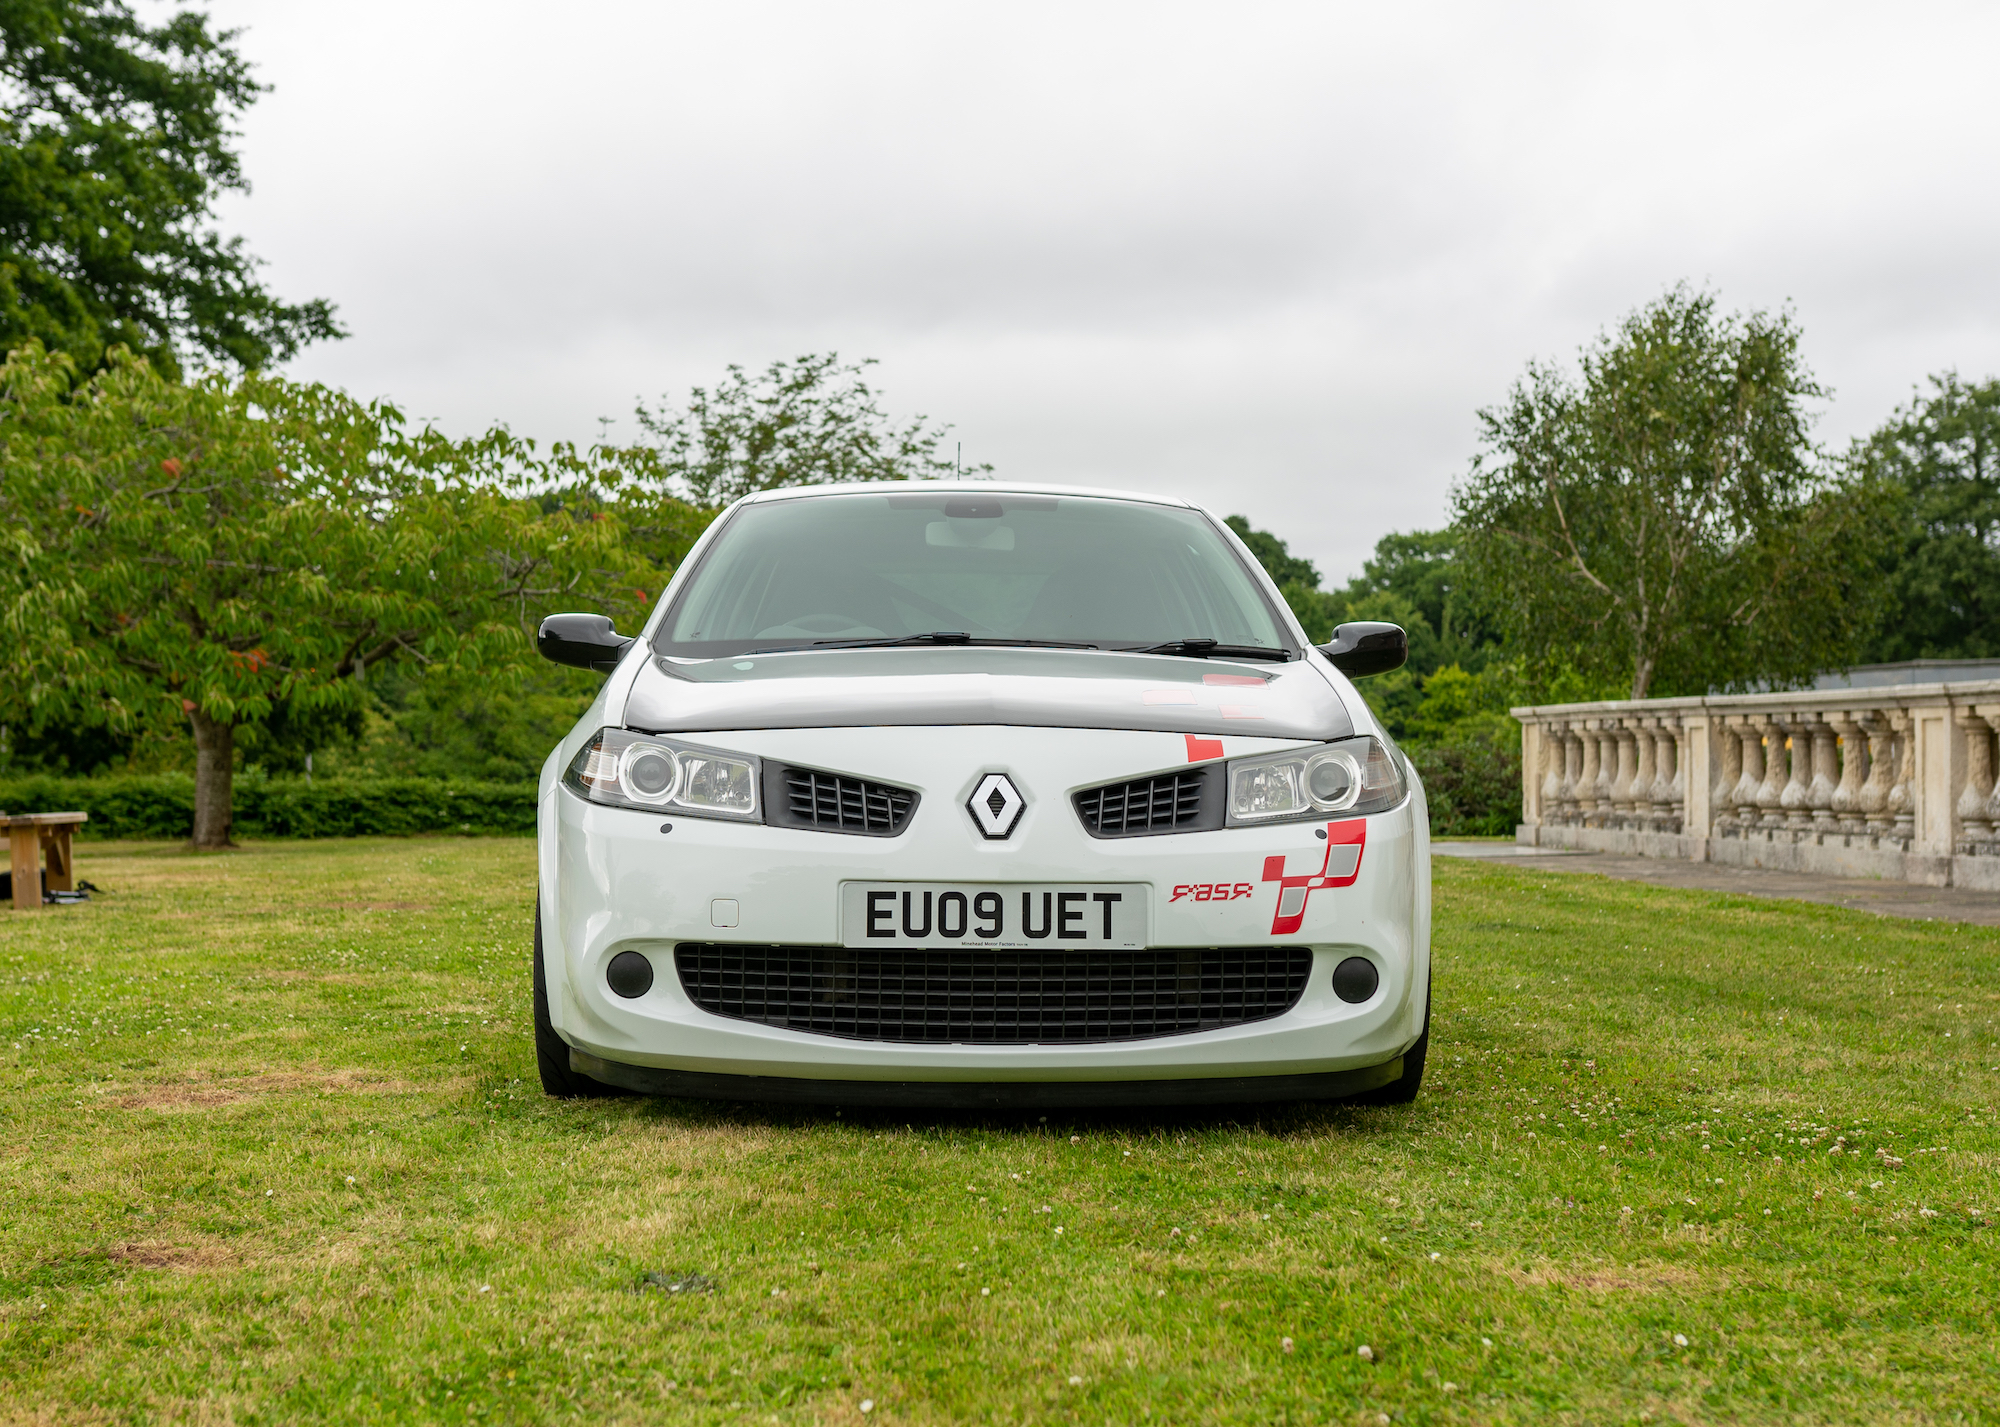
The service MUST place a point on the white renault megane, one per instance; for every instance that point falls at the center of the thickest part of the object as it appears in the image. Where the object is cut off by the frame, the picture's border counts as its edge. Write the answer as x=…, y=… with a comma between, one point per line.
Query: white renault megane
x=979, y=795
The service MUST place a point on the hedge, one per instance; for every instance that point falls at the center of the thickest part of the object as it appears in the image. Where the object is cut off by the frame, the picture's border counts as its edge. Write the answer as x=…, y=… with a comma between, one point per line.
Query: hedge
x=163, y=805
x=1473, y=784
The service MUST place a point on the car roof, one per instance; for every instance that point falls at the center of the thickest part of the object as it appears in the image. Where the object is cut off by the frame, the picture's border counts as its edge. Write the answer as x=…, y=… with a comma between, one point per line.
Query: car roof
x=966, y=487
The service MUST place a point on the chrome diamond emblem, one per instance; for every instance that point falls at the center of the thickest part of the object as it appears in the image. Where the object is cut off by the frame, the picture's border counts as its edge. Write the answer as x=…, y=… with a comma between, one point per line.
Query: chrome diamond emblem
x=995, y=805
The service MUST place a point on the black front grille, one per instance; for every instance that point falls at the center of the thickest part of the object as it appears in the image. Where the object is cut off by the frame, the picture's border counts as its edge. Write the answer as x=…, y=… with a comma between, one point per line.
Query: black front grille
x=1188, y=801
x=832, y=803
x=994, y=997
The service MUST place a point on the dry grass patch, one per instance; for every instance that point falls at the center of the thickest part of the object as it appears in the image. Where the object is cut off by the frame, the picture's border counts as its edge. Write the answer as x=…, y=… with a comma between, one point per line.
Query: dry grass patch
x=1625, y=1278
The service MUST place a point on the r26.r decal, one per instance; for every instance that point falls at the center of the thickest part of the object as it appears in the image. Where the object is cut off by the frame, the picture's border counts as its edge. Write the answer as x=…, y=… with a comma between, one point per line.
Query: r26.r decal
x=1211, y=891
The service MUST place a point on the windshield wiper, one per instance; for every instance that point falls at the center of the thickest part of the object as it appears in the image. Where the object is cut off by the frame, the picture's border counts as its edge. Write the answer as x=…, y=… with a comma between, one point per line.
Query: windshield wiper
x=936, y=636
x=1204, y=648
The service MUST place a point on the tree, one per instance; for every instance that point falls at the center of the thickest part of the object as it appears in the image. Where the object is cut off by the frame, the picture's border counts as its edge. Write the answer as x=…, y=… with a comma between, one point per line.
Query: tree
x=115, y=142
x=1666, y=518
x=1278, y=561
x=222, y=552
x=811, y=421
x=1942, y=452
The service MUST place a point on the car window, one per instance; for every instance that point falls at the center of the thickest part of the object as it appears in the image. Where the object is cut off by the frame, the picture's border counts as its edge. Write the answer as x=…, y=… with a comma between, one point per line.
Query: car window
x=1084, y=570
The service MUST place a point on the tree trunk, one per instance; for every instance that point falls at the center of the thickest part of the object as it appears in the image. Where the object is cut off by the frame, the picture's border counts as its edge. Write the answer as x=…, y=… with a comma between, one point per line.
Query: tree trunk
x=1642, y=677
x=214, y=778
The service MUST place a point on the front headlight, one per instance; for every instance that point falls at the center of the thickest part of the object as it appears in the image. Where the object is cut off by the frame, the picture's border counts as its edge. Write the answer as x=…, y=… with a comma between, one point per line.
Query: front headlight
x=623, y=769
x=1353, y=777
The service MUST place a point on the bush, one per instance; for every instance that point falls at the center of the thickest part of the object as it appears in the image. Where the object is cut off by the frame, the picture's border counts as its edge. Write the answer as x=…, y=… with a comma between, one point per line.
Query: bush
x=1473, y=782
x=162, y=805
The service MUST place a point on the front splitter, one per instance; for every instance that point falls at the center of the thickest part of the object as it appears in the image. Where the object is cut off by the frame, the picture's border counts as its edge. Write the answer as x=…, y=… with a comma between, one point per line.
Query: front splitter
x=985, y=1094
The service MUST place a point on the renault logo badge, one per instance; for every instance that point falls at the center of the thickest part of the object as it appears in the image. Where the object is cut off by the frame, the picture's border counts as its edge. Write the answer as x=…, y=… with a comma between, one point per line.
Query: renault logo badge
x=996, y=806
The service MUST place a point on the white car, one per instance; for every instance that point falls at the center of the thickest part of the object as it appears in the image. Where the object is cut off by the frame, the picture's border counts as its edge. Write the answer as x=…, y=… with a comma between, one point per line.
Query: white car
x=979, y=795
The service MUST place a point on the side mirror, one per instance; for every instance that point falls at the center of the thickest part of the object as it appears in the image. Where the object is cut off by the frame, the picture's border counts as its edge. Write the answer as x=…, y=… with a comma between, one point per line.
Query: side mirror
x=1366, y=647
x=583, y=641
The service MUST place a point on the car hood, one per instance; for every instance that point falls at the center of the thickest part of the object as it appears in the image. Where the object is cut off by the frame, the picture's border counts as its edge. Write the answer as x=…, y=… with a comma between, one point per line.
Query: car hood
x=1037, y=688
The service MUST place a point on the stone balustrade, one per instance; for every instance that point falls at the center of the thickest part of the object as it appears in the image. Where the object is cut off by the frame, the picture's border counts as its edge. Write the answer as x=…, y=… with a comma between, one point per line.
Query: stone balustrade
x=1898, y=782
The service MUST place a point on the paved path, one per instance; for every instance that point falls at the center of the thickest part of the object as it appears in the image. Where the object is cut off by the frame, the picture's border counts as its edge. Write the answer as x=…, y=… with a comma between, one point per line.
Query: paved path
x=1890, y=899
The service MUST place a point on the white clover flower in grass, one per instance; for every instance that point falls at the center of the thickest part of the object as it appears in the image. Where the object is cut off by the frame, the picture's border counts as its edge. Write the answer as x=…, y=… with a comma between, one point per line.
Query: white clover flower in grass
x=1449, y=1387
x=1075, y=1381
x=985, y=1293
x=867, y=1404
x=1680, y=1340
x=1365, y=1353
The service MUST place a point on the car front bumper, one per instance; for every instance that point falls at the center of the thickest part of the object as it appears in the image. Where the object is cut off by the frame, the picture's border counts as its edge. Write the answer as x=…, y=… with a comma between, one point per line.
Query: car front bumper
x=613, y=881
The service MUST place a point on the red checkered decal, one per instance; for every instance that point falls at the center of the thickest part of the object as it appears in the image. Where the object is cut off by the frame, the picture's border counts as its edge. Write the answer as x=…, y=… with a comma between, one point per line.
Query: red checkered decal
x=1339, y=868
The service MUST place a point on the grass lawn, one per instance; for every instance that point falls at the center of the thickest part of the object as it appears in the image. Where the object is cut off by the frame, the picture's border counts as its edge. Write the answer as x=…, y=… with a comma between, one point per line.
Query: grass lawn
x=273, y=1152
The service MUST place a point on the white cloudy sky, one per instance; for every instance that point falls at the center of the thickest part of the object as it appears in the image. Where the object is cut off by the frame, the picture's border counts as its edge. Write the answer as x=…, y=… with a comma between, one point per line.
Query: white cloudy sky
x=1270, y=256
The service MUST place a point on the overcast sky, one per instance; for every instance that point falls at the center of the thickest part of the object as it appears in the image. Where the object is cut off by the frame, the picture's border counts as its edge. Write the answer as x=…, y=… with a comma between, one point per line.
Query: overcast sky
x=1272, y=257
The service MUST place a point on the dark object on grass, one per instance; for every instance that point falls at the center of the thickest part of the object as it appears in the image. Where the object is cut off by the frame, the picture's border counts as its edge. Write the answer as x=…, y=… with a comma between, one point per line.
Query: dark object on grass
x=692, y=1283
x=49, y=899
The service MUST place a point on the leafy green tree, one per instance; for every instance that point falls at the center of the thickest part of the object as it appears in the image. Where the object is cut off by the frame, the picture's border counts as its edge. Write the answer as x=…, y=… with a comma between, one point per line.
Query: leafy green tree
x=115, y=142
x=222, y=552
x=811, y=421
x=1942, y=453
x=1278, y=561
x=1426, y=569
x=1666, y=518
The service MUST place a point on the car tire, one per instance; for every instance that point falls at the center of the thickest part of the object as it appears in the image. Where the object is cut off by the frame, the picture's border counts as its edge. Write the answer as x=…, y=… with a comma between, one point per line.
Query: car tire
x=1403, y=1089
x=551, y=1050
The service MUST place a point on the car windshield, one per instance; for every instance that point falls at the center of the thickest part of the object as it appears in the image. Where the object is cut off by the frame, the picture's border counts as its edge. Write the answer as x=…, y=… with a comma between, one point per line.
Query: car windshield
x=1082, y=570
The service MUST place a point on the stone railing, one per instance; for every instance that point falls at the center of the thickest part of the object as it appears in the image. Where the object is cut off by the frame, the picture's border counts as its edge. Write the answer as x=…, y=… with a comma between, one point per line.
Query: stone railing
x=1895, y=782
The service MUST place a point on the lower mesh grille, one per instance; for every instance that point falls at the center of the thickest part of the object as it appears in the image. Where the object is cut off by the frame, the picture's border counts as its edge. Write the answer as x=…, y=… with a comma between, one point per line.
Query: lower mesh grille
x=994, y=997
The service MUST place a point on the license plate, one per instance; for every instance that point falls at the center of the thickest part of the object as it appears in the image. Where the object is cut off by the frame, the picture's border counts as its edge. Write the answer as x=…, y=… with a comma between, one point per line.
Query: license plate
x=1014, y=915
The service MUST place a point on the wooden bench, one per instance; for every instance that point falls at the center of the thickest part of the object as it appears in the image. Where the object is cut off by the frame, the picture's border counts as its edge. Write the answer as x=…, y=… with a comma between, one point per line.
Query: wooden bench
x=29, y=837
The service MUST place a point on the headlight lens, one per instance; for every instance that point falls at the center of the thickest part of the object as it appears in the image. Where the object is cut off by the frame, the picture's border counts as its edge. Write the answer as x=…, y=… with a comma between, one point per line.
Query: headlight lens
x=623, y=769
x=1355, y=777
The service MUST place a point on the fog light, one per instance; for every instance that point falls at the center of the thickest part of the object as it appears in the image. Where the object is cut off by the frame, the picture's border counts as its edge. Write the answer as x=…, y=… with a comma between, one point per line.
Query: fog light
x=1354, y=980
x=629, y=974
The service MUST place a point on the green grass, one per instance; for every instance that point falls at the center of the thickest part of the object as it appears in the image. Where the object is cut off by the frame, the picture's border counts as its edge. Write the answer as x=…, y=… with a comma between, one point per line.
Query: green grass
x=273, y=1152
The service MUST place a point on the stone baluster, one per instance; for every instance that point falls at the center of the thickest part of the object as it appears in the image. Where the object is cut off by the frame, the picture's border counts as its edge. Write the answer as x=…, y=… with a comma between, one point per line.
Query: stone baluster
x=1639, y=788
x=1728, y=742
x=1607, y=770
x=1881, y=772
x=1666, y=772
x=1772, y=789
x=1902, y=792
x=1749, y=787
x=1825, y=770
x=1587, y=773
x=1971, y=805
x=1991, y=713
x=1552, y=771
x=1853, y=757
x=1796, y=798
x=1572, y=772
